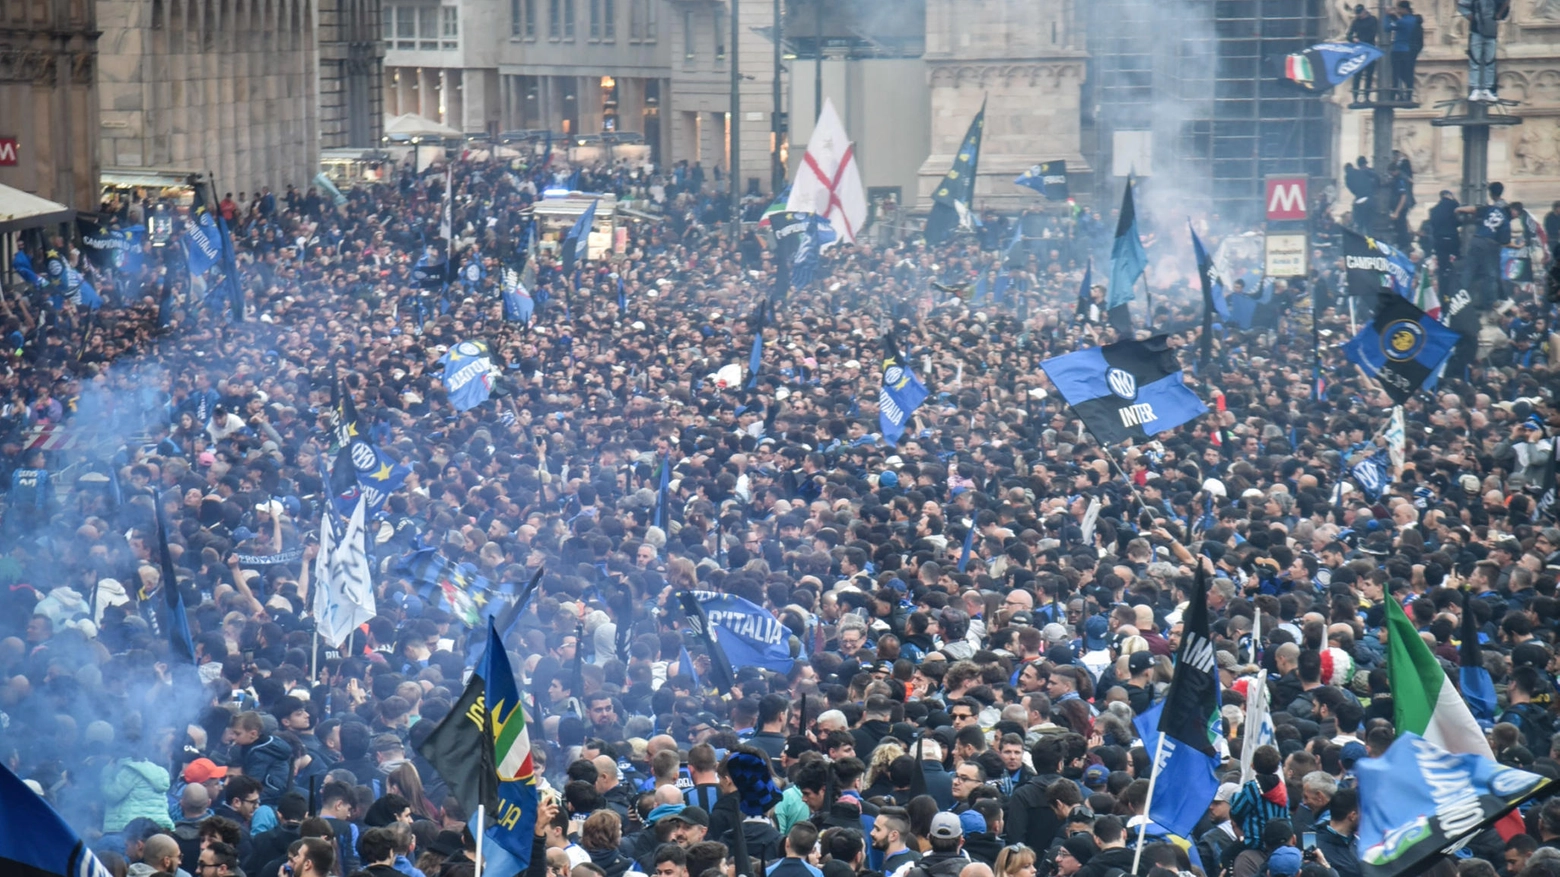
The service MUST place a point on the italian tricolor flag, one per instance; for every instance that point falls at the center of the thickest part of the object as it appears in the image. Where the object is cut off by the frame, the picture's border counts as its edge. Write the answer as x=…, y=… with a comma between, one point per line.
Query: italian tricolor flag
x=1425, y=702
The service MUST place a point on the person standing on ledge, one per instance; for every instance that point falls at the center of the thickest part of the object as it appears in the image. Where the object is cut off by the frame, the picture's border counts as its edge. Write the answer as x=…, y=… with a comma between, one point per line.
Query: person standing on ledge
x=1484, y=17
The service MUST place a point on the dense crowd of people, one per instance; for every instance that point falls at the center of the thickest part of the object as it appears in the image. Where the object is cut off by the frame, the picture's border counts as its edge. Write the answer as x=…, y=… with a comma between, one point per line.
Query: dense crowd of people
x=941, y=715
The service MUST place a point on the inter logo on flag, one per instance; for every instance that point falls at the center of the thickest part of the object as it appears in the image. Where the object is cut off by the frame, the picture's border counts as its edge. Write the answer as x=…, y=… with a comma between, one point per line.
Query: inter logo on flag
x=1127, y=390
x=1402, y=347
x=1122, y=383
x=1404, y=340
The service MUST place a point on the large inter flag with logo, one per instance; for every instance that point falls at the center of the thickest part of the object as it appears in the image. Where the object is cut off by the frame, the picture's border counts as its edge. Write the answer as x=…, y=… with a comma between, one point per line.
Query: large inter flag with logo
x=1402, y=347
x=1130, y=390
x=483, y=751
x=1425, y=702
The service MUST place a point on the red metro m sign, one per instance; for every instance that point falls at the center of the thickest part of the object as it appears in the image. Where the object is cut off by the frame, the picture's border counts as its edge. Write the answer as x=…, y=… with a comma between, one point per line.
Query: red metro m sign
x=1286, y=198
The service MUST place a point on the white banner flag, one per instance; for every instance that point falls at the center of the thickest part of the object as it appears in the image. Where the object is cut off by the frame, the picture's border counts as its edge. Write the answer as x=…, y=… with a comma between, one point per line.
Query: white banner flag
x=828, y=182
x=344, y=592
x=1395, y=439
x=1258, y=730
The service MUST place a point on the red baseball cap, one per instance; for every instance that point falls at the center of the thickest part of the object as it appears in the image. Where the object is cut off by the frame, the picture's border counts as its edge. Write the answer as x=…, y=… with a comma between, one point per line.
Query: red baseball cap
x=202, y=769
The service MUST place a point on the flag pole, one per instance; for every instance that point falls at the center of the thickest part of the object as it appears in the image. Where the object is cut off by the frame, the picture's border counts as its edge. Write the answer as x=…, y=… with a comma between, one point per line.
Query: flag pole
x=482, y=825
x=1148, y=301
x=1131, y=486
x=1148, y=802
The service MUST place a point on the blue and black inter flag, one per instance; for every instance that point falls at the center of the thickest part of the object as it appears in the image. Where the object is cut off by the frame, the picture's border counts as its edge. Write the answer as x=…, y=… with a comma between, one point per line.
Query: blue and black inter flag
x=901, y=394
x=1127, y=391
x=1049, y=178
x=1402, y=347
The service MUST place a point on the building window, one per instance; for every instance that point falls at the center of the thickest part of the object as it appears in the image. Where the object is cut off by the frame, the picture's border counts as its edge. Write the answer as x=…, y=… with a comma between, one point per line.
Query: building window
x=595, y=19
x=568, y=19
x=449, y=31
x=555, y=19
x=687, y=35
x=428, y=28
x=609, y=20
x=515, y=17
x=386, y=25
x=636, y=20
x=720, y=34
x=529, y=8
x=406, y=27
x=652, y=20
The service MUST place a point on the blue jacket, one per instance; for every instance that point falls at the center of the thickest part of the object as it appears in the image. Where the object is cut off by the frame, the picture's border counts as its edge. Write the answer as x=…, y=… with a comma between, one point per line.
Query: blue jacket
x=939, y=784
x=1405, y=31
x=268, y=760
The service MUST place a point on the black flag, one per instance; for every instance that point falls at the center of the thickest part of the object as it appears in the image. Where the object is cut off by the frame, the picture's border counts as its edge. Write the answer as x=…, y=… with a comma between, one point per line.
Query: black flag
x=1205, y=271
x=955, y=195
x=461, y=750
x=179, y=642
x=1085, y=294
x=1192, y=704
x=1549, y=500
x=720, y=668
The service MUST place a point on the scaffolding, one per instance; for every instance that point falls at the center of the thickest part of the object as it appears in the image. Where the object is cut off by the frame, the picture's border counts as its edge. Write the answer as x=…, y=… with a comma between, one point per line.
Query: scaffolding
x=1221, y=116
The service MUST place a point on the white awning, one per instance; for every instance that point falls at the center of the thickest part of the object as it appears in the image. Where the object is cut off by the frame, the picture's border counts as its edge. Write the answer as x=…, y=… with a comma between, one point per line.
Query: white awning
x=19, y=210
x=147, y=177
x=413, y=125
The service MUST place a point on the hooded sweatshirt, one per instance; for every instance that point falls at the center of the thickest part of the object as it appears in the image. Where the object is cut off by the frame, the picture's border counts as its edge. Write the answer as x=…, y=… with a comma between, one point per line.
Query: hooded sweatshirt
x=132, y=788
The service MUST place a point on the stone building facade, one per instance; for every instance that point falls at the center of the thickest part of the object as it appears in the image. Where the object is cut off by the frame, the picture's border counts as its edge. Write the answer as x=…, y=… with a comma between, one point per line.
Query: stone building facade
x=584, y=67
x=1027, y=61
x=48, y=99
x=226, y=86
x=352, y=73
x=441, y=61
x=1525, y=157
x=700, y=35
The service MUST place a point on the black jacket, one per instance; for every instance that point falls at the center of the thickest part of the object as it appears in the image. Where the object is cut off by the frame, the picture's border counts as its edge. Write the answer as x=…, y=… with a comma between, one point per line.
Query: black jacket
x=868, y=736
x=1339, y=850
x=1443, y=229
x=1141, y=699
x=1365, y=29
x=611, y=861
x=187, y=833
x=461, y=858
x=1285, y=689
x=244, y=842
x=1104, y=861
x=269, y=845
x=1028, y=819
x=619, y=800
x=983, y=847
x=939, y=865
